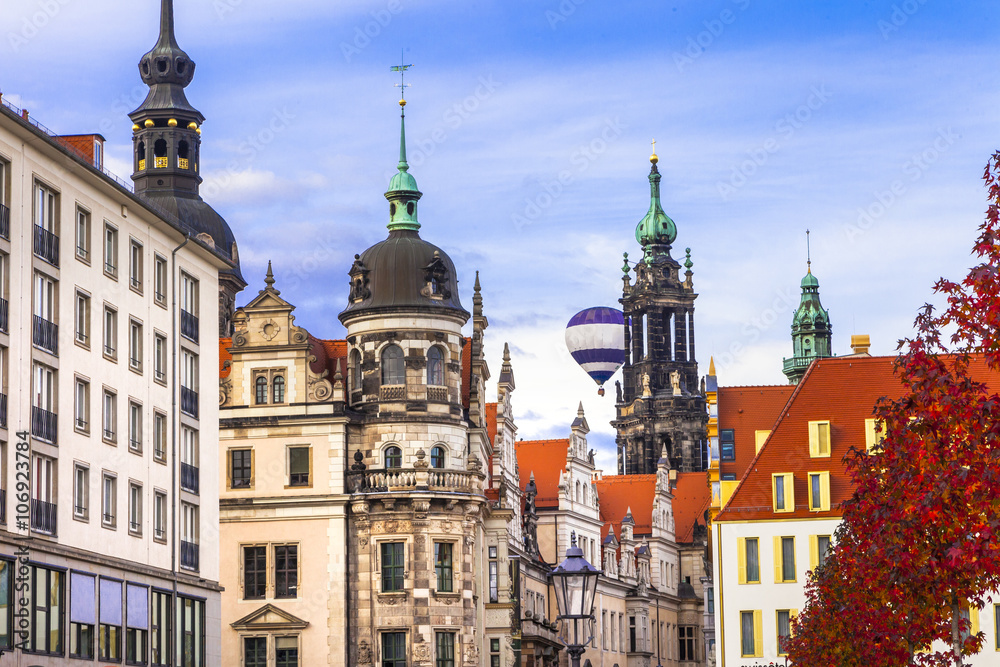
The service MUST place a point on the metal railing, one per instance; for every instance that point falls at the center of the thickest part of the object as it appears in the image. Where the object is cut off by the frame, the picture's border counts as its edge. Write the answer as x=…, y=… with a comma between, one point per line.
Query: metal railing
x=44, y=424
x=190, y=477
x=43, y=516
x=189, y=325
x=45, y=334
x=47, y=245
x=189, y=555
x=4, y=221
x=189, y=401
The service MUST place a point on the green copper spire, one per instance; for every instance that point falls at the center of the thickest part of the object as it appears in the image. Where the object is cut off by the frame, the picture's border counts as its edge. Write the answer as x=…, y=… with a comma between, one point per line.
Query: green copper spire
x=811, y=329
x=403, y=193
x=656, y=228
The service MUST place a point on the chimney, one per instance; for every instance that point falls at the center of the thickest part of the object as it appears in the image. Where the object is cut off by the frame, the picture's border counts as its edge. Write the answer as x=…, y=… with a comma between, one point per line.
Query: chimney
x=860, y=344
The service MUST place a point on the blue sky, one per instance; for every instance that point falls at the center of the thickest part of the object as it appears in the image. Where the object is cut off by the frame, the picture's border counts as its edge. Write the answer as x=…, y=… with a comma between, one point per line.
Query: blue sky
x=868, y=123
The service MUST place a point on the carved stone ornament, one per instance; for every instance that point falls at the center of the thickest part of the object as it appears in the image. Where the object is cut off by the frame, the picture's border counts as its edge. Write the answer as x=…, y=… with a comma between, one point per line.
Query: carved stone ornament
x=320, y=388
x=471, y=654
x=239, y=339
x=422, y=651
x=364, y=653
x=363, y=541
x=391, y=599
x=269, y=329
x=420, y=508
x=225, y=390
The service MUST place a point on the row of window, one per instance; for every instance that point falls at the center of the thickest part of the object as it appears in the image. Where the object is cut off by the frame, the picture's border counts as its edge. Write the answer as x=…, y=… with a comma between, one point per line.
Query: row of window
x=819, y=439
x=748, y=557
x=394, y=650
x=394, y=366
x=298, y=464
x=783, y=491
x=279, y=577
x=109, y=619
x=109, y=338
x=392, y=566
x=286, y=651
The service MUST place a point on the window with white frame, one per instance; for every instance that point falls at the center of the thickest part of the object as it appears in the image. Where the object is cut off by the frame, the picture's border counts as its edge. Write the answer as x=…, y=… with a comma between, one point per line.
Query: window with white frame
x=109, y=500
x=81, y=492
x=109, y=422
x=135, y=508
x=135, y=426
x=160, y=436
x=135, y=345
x=160, y=358
x=82, y=318
x=160, y=516
x=135, y=265
x=83, y=235
x=160, y=279
x=81, y=406
x=110, y=332
x=110, y=250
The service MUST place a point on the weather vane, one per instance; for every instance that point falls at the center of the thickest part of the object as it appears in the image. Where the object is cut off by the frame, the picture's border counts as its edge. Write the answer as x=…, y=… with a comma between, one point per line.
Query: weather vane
x=402, y=85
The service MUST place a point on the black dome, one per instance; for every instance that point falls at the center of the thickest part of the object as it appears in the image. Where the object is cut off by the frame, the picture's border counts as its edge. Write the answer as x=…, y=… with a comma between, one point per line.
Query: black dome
x=399, y=274
x=200, y=218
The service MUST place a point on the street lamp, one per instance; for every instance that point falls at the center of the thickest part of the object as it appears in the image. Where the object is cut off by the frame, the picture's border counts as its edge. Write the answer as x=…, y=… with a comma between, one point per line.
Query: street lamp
x=575, y=581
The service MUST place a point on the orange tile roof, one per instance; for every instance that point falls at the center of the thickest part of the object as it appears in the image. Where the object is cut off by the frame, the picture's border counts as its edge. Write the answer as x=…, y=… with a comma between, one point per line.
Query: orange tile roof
x=617, y=493
x=692, y=497
x=746, y=410
x=546, y=459
x=843, y=390
x=224, y=356
x=336, y=350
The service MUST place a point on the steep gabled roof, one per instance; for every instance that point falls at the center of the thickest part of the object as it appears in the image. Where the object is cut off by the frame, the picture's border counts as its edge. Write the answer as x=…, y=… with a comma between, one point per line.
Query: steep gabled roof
x=747, y=410
x=692, y=496
x=546, y=459
x=617, y=493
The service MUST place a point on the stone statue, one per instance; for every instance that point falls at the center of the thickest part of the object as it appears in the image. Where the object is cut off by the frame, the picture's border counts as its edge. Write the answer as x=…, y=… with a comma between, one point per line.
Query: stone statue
x=618, y=391
x=675, y=382
x=646, y=390
x=590, y=457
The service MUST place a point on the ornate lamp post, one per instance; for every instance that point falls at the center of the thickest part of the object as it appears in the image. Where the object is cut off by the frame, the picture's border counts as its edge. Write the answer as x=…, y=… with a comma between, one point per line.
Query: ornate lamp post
x=575, y=581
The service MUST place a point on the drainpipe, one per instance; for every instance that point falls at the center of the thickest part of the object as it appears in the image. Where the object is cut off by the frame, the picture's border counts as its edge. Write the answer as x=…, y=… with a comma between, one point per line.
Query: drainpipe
x=174, y=490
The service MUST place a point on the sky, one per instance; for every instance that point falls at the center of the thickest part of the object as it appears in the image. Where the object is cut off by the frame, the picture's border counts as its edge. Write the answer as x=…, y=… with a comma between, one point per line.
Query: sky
x=529, y=126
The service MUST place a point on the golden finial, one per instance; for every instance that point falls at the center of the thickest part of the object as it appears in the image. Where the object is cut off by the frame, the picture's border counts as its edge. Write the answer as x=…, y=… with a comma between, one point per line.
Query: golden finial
x=653, y=158
x=402, y=103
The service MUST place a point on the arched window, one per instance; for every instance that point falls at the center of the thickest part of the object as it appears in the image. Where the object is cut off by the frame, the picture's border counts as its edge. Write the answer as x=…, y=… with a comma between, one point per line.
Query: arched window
x=437, y=456
x=160, y=148
x=393, y=457
x=578, y=496
x=278, y=389
x=393, y=370
x=261, y=384
x=355, y=369
x=435, y=366
x=140, y=154
x=586, y=495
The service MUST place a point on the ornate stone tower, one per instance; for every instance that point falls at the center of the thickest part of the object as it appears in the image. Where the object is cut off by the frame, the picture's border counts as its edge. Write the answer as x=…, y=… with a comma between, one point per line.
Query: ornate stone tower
x=661, y=405
x=811, y=330
x=166, y=139
x=417, y=474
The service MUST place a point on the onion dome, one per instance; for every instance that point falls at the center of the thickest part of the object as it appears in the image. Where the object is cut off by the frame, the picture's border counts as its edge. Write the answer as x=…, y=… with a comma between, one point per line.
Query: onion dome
x=656, y=228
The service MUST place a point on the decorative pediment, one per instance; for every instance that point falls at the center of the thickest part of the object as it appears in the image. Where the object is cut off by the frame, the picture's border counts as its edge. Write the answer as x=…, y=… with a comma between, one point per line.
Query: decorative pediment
x=269, y=618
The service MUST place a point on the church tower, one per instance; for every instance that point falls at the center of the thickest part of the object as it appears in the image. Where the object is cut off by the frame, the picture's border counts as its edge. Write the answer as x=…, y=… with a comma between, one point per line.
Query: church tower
x=811, y=330
x=166, y=139
x=661, y=405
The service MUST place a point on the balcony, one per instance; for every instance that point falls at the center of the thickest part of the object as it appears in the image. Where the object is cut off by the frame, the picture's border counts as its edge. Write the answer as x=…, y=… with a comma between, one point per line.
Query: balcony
x=189, y=402
x=4, y=221
x=189, y=555
x=3, y=410
x=190, y=477
x=43, y=517
x=45, y=334
x=44, y=424
x=409, y=479
x=3, y=316
x=47, y=245
x=189, y=326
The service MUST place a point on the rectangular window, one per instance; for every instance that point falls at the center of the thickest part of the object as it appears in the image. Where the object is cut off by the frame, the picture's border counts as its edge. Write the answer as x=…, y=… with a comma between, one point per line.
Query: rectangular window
x=393, y=566
x=393, y=649
x=136, y=624
x=135, y=427
x=110, y=332
x=46, y=236
x=189, y=307
x=874, y=434
x=135, y=265
x=83, y=235
x=241, y=468
x=47, y=596
x=110, y=250
x=286, y=571
x=783, y=492
x=747, y=553
x=191, y=621
x=495, y=646
x=996, y=626
x=160, y=628
x=687, y=642
x=494, y=572
x=727, y=440
x=82, y=319
x=751, y=644
x=442, y=566
x=160, y=280
x=159, y=516
x=135, y=345
x=190, y=529
x=286, y=652
x=819, y=439
x=819, y=546
x=81, y=406
x=631, y=634
x=135, y=508
x=43, y=496
x=254, y=573
x=109, y=414
x=82, y=615
x=189, y=383
x=255, y=652
x=160, y=358
x=760, y=437
x=109, y=500
x=298, y=466
x=190, y=474
x=784, y=559
x=44, y=331
x=604, y=629
x=159, y=436
x=81, y=492
x=784, y=630
x=819, y=491
x=444, y=643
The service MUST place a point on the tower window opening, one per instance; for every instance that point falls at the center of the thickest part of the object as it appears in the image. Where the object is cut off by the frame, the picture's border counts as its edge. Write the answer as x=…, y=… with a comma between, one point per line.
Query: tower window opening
x=161, y=65
x=160, y=154
x=181, y=66
x=182, y=155
x=145, y=69
x=140, y=153
x=392, y=210
x=410, y=208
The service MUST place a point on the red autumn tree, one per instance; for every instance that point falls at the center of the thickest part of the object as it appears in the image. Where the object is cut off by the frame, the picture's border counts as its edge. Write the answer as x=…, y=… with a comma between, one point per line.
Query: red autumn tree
x=918, y=544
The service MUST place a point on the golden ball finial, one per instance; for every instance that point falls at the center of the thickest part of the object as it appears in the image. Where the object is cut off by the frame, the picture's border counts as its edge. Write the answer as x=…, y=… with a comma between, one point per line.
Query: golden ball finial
x=402, y=103
x=192, y=126
x=135, y=127
x=149, y=122
x=172, y=122
x=653, y=158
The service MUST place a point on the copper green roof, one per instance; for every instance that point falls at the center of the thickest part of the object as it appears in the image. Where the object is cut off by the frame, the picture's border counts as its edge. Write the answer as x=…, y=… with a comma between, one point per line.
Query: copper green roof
x=656, y=228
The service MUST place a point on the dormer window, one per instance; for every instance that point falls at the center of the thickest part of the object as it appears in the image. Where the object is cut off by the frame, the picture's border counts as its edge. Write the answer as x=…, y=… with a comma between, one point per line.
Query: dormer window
x=436, y=275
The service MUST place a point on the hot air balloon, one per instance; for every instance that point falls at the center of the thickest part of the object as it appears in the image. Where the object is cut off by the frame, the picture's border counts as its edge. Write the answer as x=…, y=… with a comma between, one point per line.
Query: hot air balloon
x=596, y=339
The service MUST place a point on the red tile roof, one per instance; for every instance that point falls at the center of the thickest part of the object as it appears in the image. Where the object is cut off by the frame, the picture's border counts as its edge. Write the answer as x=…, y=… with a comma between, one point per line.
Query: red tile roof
x=224, y=356
x=327, y=353
x=617, y=493
x=843, y=390
x=546, y=459
x=692, y=496
x=747, y=410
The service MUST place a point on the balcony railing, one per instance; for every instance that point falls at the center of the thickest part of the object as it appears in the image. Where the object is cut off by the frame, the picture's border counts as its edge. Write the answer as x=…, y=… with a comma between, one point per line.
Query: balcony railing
x=189, y=325
x=45, y=334
x=407, y=479
x=47, y=245
x=44, y=424
x=189, y=555
x=4, y=221
x=43, y=516
x=189, y=401
x=190, y=477
x=3, y=410
x=3, y=315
